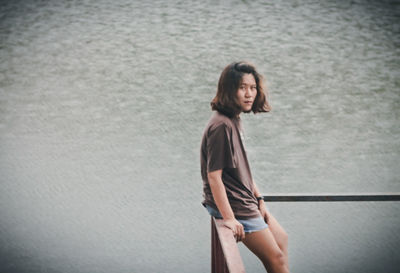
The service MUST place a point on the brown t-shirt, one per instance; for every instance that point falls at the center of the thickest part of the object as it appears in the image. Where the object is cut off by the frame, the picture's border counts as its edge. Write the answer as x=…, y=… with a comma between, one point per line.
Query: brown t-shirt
x=222, y=148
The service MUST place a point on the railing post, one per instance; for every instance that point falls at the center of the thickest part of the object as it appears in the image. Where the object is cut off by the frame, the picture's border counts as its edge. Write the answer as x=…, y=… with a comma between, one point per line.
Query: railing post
x=225, y=255
x=218, y=264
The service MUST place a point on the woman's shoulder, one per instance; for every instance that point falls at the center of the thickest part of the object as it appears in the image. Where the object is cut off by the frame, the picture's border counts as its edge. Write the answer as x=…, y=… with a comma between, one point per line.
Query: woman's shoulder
x=219, y=121
x=219, y=118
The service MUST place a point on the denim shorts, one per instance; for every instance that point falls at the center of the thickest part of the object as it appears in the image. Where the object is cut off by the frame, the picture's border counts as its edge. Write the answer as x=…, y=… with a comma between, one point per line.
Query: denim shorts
x=249, y=225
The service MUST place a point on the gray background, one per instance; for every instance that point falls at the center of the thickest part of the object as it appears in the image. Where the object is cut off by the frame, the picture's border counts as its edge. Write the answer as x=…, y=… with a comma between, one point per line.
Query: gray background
x=102, y=108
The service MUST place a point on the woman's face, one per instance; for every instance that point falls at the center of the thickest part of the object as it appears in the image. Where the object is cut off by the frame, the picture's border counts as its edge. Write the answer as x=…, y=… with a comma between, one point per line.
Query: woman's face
x=247, y=92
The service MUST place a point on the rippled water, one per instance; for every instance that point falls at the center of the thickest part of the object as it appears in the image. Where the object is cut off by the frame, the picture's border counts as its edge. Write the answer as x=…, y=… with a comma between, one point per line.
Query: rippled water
x=102, y=107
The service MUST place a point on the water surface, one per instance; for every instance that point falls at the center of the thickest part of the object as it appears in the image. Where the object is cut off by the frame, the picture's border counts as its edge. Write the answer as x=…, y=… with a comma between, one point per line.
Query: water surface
x=102, y=107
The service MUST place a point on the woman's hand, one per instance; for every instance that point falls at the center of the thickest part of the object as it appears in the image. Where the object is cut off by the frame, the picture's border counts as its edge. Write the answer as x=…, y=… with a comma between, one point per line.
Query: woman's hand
x=221, y=200
x=236, y=227
x=263, y=210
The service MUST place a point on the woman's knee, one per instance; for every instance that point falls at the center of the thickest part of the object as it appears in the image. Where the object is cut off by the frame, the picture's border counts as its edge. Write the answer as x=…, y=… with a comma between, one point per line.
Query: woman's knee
x=279, y=258
x=275, y=260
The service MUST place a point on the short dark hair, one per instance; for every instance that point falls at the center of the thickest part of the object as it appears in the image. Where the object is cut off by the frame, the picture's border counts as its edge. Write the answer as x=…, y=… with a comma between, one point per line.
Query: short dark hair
x=226, y=101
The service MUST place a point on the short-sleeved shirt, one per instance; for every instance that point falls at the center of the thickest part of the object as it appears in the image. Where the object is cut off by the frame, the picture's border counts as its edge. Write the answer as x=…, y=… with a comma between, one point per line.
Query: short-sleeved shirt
x=222, y=149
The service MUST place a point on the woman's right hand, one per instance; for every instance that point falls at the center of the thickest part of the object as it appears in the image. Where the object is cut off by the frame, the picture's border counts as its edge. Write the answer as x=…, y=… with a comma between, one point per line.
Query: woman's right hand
x=236, y=227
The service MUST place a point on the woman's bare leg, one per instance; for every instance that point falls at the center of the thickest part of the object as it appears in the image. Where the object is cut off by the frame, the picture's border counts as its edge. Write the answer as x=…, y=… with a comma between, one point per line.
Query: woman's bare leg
x=263, y=244
x=280, y=236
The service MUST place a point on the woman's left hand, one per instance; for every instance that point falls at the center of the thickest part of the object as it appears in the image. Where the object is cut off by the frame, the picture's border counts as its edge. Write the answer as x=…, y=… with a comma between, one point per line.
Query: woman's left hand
x=263, y=211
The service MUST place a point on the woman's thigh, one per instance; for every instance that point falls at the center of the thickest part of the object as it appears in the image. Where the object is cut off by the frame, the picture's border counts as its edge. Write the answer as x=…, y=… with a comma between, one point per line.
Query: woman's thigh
x=278, y=232
x=263, y=244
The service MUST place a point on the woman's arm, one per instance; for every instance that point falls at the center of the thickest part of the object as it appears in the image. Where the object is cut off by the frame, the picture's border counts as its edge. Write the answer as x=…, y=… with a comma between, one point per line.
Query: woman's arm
x=222, y=202
x=256, y=191
x=261, y=204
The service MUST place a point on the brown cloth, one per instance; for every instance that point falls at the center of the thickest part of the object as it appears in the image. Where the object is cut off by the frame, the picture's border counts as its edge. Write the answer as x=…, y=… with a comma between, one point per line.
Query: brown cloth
x=222, y=148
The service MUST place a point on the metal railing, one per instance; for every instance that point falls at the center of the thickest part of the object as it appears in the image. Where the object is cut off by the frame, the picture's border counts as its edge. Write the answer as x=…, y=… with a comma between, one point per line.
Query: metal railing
x=225, y=255
x=332, y=197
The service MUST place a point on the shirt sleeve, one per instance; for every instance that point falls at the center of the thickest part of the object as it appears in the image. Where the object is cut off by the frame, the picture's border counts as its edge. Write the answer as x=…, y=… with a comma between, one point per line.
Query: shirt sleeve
x=219, y=149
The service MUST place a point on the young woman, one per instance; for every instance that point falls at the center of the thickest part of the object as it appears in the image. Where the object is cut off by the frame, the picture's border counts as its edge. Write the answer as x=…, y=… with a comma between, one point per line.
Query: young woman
x=229, y=190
